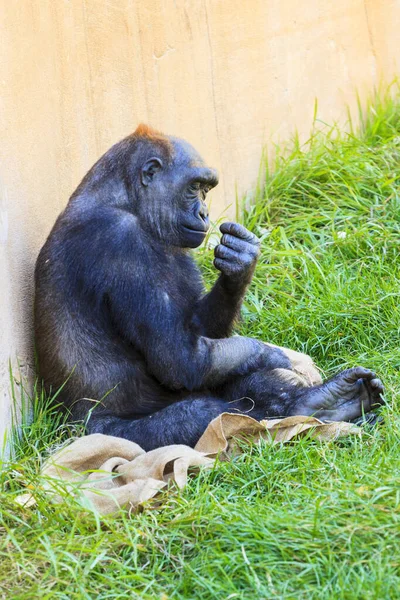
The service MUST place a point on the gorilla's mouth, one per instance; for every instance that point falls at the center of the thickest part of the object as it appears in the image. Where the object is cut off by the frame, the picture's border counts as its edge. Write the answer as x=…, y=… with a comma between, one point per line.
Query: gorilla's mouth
x=195, y=231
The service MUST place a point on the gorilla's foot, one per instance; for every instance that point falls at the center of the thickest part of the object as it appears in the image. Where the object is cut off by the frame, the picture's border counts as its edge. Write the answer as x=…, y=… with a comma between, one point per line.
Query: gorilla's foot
x=346, y=396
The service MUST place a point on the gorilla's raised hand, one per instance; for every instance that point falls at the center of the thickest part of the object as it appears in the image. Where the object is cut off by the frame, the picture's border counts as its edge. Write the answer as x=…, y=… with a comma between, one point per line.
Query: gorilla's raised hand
x=237, y=254
x=236, y=257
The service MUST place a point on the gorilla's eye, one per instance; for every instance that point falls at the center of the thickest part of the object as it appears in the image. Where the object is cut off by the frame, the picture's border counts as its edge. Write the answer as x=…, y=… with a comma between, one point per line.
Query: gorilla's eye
x=194, y=187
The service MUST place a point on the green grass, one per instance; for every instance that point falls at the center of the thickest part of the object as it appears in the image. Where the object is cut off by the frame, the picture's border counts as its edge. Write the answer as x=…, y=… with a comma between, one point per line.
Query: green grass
x=307, y=520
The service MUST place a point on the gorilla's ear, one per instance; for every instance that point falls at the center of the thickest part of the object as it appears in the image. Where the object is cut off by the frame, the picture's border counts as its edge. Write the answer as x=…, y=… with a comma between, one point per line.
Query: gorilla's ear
x=150, y=167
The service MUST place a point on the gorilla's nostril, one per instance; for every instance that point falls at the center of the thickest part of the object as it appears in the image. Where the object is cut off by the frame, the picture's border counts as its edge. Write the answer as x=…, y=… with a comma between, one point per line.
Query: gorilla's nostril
x=203, y=213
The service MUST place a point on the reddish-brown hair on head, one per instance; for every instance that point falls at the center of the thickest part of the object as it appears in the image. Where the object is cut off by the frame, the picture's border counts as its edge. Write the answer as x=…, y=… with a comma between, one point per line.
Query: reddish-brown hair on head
x=146, y=132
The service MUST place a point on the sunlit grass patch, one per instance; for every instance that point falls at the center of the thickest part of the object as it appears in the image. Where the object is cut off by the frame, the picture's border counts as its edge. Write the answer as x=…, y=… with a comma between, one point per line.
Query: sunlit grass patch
x=306, y=520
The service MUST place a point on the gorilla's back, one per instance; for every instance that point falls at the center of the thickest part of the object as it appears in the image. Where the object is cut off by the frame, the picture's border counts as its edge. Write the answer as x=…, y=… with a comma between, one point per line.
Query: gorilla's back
x=78, y=349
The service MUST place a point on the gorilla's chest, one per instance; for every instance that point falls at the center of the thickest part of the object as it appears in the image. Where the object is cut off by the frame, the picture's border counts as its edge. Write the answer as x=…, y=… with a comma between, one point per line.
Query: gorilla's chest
x=179, y=283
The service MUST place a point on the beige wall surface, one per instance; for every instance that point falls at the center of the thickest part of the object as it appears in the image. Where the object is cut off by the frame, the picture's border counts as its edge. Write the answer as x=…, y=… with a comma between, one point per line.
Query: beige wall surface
x=228, y=75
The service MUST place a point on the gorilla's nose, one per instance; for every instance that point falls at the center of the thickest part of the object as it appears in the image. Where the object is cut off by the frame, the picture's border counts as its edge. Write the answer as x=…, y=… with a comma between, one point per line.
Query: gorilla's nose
x=204, y=212
x=203, y=215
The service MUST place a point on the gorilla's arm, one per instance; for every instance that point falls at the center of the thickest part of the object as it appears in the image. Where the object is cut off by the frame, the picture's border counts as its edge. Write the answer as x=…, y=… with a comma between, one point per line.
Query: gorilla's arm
x=176, y=356
x=174, y=353
x=216, y=313
x=236, y=257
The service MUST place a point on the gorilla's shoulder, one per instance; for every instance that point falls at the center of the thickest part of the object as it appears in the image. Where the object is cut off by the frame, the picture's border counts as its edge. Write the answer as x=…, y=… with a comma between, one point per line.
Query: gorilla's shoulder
x=105, y=224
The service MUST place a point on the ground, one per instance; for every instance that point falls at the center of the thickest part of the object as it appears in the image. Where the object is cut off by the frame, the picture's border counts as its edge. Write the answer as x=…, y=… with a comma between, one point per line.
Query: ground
x=306, y=520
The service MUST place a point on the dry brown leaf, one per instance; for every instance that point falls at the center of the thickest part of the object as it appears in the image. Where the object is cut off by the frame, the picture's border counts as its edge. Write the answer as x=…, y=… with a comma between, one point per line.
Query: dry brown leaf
x=107, y=473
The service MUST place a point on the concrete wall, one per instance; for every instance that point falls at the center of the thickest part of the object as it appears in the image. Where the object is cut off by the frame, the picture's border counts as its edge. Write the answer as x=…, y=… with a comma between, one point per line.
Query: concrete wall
x=228, y=75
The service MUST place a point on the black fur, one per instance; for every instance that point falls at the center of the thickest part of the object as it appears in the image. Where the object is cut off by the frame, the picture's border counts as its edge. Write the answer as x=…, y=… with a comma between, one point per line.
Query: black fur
x=121, y=318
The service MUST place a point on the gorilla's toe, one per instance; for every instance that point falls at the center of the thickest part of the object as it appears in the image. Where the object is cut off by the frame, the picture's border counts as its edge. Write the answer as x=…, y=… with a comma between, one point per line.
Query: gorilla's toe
x=347, y=396
x=352, y=375
x=376, y=389
x=370, y=419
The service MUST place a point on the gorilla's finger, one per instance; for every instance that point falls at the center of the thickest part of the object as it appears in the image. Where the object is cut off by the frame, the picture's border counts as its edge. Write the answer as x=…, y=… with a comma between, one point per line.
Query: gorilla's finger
x=239, y=245
x=239, y=231
x=221, y=264
x=226, y=253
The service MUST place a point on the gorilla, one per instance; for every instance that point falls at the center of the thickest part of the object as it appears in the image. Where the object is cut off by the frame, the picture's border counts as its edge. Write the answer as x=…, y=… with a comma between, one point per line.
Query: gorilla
x=124, y=331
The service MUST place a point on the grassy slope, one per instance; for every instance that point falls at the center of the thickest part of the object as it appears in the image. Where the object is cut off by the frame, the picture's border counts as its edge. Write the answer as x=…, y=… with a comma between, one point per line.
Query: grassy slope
x=308, y=520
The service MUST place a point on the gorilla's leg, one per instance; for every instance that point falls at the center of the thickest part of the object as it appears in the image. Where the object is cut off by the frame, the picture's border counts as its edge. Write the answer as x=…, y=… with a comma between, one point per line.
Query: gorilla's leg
x=277, y=393
x=183, y=422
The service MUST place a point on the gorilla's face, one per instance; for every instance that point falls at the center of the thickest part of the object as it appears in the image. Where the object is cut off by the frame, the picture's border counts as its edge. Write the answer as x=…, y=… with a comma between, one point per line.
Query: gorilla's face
x=172, y=196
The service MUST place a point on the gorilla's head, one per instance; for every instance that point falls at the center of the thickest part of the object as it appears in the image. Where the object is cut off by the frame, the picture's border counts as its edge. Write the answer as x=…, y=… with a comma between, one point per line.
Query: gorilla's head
x=171, y=182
